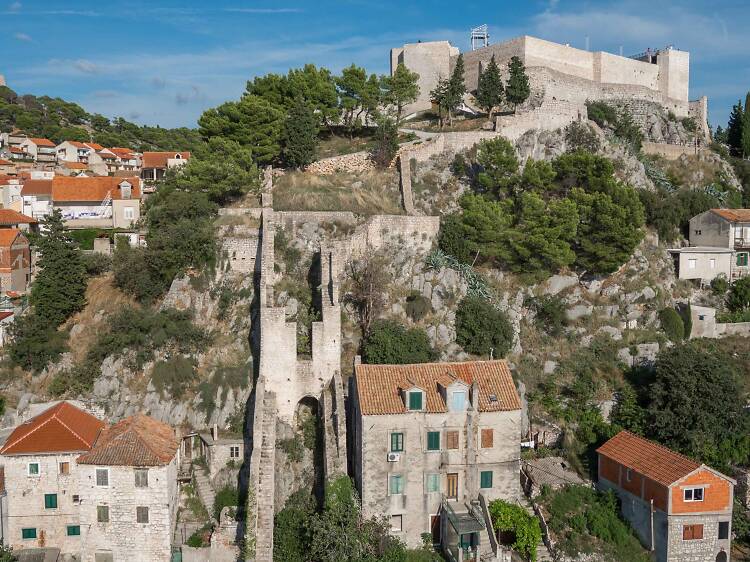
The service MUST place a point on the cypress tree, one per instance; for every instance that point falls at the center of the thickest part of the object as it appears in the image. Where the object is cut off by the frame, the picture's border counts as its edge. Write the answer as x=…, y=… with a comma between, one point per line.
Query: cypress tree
x=456, y=87
x=518, y=89
x=734, y=128
x=746, y=128
x=300, y=135
x=490, y=87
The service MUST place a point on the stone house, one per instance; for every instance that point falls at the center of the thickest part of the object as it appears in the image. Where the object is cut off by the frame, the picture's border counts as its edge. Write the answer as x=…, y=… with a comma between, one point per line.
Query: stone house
x=6, y=166
x=15, y=260
x=42, y=151
x=41, y=481
x=219, y=449
x=128, y=487
x=126, y=159
x=719, y=245
x=429, y=441
x=7, y=317
x=156, y=164
x=84, y=152
x=36, y=198
x=13, y=219
x=680, y=509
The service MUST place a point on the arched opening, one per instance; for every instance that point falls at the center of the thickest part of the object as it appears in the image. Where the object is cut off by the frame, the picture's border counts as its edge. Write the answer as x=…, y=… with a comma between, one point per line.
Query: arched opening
x=721, y=557
x=309, y=427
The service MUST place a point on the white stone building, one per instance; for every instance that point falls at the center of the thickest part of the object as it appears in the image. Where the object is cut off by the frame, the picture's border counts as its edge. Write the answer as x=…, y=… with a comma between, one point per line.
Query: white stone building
x=432, y=439
x=128, y=488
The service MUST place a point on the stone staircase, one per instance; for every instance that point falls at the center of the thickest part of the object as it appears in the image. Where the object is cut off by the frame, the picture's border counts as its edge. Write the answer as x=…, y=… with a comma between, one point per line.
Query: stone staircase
x=265, y=492
x=204, y=489
x=542, y=552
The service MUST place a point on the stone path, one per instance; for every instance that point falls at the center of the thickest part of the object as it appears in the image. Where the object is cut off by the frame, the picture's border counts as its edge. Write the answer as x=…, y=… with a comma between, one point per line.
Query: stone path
x=204, y=489
x=265, y=499
x=542, y=552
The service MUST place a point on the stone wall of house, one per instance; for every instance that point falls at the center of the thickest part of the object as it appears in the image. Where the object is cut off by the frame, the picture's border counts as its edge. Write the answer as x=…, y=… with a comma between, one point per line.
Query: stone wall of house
x=220, y=455
x=697, y=550
x=122, y=535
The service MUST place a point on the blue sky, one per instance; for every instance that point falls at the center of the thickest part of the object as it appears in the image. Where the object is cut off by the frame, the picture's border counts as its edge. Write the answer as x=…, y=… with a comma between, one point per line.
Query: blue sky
x=165, y=62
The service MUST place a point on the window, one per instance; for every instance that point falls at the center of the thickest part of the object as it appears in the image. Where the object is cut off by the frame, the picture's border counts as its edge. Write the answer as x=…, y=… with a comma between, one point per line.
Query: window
x=693, y=494
x=397, y=442
x=73, y=530
x=451, y=440
x=128, y=213
x=433, y=440
x=141, y=514
x=415, y=400
x=102, y=477
x=452, y=481
x=141, y=477
x=64, y=468
x=234, y=452
x=723, y=530
x=692, y=532
x=485, y=479
x=396, y=484
x=29, y=533
x=691, y=263
x=458, y=401
x=102, y=513
x=76, y=498
x=487, y=438
x=33, y=469
x=699, y=232
x=397, y=523
x=50, y=501
x=628, y=475
x=712, y=263
x=742, y=259
x=433, y=483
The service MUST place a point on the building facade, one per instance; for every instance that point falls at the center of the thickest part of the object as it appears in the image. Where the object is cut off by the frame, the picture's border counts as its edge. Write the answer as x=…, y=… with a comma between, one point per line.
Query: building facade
x=680, y=509
x=15, y=260
x=431, y=438
x=156, y=164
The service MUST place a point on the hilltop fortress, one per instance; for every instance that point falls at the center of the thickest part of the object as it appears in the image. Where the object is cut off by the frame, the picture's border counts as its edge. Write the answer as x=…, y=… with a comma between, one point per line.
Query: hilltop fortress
x=562, y=79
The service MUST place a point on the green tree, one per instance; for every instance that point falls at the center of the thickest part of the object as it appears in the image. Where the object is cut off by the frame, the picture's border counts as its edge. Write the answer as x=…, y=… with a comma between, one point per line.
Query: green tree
x=481, y=329
x=490, y=88
x=499, y=163
x=440, y=97
x=359, y=96
x=35, y=344
x=627, y=412
x=484, y=227
x=738, y=298
x=523, y=526
x=386, y=142
x=456, y=88
x=517, y=90
x=672, y=324
x=735, y=129
x=60, y=286
x=291, y=534
x=697, y=400
x=390, y=343
x=300, y=135
x=400, y=89
x=746, y=128
x=317, y=87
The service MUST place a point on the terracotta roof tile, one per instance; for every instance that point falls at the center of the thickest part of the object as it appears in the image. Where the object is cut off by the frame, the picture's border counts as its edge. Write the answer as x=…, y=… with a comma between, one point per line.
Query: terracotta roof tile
x=733, y=215
x=380, y=387
x=8, y=236
x=61, y=428
x=69, y=188
x=650, y=459
x=135, y=441
x=5, y=314
x=11, y=217
x=37, y=187
x=159, y=159
x=94, y=146
x=5, y=162
x=42, y=142
x=75, y=165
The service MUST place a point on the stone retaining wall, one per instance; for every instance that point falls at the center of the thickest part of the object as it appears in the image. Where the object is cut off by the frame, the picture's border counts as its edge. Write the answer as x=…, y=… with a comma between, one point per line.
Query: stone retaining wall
x=670, y=151
x=353, y=163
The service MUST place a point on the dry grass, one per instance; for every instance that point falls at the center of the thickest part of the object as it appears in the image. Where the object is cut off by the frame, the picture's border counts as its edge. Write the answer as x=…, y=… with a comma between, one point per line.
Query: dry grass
x=692, y=171
x=367, y=193
x=335, y=145
x=237, y=220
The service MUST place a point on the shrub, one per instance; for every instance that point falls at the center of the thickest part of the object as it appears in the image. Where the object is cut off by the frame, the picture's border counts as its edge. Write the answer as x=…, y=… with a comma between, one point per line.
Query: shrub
x=689, y=124
x=97, y=264
x=550, y=313
x=417, y=306
x=738, y=299
x=174, y=375
x=226, y=497
x=524, y=527
x=719, y=285
x=389, y=342
x=291, y=535
x=386, y=142
x=293, y=447
x=672, y=324
x=458, y=166
x=34, y=344
x=580, y=136
x=452, y=239
x=481, y=329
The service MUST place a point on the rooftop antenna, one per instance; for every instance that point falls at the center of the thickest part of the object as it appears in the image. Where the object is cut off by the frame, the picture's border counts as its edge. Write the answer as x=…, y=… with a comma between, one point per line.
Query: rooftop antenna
x=587, y=43
x=480, y=37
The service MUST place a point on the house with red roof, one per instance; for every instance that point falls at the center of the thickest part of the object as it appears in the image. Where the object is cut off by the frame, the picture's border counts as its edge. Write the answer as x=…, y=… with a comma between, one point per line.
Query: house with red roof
x=40, y=150
x=6, y=166
x=679, y=508
x=15, y=261
x=719, y=245
x=155, y=164
x=429, y=440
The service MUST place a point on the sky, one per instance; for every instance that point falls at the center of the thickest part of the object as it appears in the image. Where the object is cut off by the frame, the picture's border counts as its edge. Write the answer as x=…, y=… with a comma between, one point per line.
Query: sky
x=165, y=62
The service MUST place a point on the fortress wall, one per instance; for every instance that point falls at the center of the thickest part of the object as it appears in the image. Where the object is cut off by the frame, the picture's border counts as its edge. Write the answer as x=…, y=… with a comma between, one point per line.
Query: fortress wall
x=474, y=60
x=669, y=151
x=698, y=110
x=568, y=60
x=290, y=218
x=614, y=69
x=431, y=60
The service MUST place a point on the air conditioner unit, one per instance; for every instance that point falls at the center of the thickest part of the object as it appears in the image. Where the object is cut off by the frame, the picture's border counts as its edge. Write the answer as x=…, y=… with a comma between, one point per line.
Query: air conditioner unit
x=394, y=457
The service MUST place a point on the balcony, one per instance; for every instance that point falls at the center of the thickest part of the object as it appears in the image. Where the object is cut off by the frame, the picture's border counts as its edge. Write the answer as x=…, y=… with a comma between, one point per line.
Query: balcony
x=741, y=243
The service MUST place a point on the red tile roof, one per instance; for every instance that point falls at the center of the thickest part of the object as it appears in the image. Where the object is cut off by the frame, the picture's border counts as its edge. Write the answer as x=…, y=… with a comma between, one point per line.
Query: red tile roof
x=380, y=387
x=42, y=142
x=75, y=165
x=5, y=162
x=37, y=187
x=650, y=459
x=733, y=215
x=8, y=236
x=124, y=153
x=11, y=217
x=69, y=188
x=135, y=441
x=5, y=314
x=61, y=428
x=17, y=150
x=159, y=159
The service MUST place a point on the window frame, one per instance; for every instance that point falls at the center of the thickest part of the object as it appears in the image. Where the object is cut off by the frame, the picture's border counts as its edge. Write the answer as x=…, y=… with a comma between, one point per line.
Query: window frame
x=400, y=528
x=234, y=451
x=452, y=435
x=24, y=534
x=38, y=472
x=692, y=491
x=453, y=407
x=399, y=445
x=726, y=527
x=482, y=438
x=128, y=213
x=430, y=445
x=432, y=477
x=482, y=476
x=413, y=393
x=138, y=512
x=50, y=499
x=64, y=471
x=396, y=478
x=68, y=532
x=96, y=477
x=140, y=472
x=689, y=532
x=99, y=511
x=742, y=259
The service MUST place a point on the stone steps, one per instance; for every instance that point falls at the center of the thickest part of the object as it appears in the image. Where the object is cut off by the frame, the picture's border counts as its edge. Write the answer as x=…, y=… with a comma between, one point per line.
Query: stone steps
x=205, y=490
x=266, y=491
x=542, y=552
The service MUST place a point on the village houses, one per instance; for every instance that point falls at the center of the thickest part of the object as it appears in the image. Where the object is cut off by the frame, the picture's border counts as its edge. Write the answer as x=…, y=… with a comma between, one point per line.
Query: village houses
x=41, y=151
x=15, y=261
x=433, y=440
x=156, y=164
x=680, y=509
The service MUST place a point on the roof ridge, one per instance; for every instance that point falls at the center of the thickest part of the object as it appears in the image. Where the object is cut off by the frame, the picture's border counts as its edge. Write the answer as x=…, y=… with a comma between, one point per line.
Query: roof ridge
x=66, y=426
x=660, y=446
x=33, y=430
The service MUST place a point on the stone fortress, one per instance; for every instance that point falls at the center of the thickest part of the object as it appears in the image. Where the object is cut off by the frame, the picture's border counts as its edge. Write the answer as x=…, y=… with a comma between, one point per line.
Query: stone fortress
x=562, y=79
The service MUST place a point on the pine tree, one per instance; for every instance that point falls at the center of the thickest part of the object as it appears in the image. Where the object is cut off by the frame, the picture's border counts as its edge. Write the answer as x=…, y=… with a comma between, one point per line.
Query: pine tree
x=456, y=87
x=439, y=96
x=746, y=128
x=300, y=135
x=734, y=129
x=517, y=91
x=60, y=287
x=401, y=89
x=490, y=87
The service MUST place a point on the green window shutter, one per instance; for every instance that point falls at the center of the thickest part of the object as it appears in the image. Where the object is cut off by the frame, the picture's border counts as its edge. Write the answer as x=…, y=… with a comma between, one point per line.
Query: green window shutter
x=433, y=482
x=74, y=530
x=397, y=442
x=433, y=440
x=742, y=259
x=415, y=400
x=28, y=533
x=485, y=479
x=397, y=484
x=50, y=501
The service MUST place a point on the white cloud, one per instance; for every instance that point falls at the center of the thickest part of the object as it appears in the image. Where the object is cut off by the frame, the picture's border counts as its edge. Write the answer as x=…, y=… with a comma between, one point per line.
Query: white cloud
x=15, y=7
x=87, y=67
x=264, y=10
x=22, y=36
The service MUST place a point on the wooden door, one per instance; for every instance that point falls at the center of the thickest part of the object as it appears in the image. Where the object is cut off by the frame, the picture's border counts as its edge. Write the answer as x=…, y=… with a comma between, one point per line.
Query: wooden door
x=452, y=486
x=435, y=528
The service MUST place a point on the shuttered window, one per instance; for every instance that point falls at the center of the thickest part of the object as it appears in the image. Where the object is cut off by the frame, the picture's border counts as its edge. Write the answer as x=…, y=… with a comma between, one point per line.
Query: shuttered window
x=487, y=438
x=433, y=440
x=433, y=482
x=692, y=532
x=29, y=533
x=415, y=400
x=141, y=477
x=102, y=513
x=141, y=514
x=74, y=530
x=50, y=501
x=102, y=477
x=397, y=442
x=451, y=439
x=485, y=479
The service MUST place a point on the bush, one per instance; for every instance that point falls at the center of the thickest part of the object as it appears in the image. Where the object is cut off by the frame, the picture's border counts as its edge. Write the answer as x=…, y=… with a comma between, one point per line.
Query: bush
x=580, y=136
x=738, y=299
x=452, y=239
x=386, y=142
x=672, y=324
x=34, y=344
x=390, y=343
x=226, y=497
x=481, y=329
x=719, y=285
x=291, y=536
x=97, y=264
x=550, y=313
x=417, y=306
x=175, y=375
x=514, y=520
x=458, y=166
x=689, y=124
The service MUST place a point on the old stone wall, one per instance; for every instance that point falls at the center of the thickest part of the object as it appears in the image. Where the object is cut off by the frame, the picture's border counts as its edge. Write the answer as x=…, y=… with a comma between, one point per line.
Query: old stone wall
x=239, y=247
x=431, y=60
x=670, y=151
x=355, y=162
x=680, y=550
